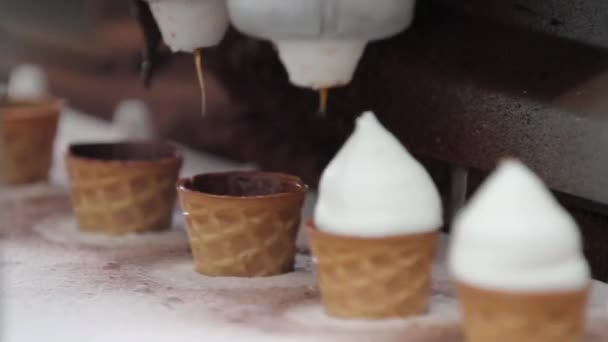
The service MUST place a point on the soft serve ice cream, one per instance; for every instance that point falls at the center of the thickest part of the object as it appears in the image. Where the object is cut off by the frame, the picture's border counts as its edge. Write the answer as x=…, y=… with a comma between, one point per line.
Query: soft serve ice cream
x=27, y=82
x=374, y=187
x=515, y=236
x=517, y=261
x=375, y=228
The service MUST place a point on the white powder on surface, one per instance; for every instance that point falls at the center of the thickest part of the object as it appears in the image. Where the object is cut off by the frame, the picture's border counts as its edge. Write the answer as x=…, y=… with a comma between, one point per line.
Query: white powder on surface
x=70, y=294
x=24, y=192
x=64, y=293
x=63, y=229
x=442, y=309
x=60, y=284
x=184, y=276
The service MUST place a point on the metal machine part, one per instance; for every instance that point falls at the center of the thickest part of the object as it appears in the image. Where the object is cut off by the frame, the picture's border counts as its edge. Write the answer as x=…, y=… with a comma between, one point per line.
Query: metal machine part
x=152, y=40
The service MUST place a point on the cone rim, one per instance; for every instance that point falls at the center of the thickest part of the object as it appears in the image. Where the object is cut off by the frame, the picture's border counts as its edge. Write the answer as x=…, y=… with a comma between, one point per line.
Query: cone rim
x=170, y=153
x=16, y=110
x=300, y=187
x=312, y=230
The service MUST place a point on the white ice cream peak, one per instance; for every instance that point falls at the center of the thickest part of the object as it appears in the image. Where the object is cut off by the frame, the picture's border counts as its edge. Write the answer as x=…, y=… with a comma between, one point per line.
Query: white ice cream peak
x=187, y=25
x=27, y=82
x=515, y=236
x=133, y=118
x=374, y=188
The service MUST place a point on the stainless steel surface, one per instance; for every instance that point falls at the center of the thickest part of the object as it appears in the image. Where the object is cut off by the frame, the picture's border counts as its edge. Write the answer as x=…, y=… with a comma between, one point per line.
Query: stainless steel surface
x=459, y=189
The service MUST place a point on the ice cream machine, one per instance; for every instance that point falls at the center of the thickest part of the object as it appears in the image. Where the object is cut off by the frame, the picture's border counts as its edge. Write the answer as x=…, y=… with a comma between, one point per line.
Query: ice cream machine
x=319, y=42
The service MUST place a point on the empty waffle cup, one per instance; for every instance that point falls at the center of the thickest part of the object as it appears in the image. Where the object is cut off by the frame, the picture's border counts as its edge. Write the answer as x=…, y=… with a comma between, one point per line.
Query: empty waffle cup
x=373, y=278
x=27, y=134
x=242, y=224
x=120, y=188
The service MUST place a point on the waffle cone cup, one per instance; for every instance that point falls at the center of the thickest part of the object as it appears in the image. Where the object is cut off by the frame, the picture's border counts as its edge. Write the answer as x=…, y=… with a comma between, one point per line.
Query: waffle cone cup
x=242, y=224
x=120, y=188
x=373, y=278
x=27, y=133
x=523, y=317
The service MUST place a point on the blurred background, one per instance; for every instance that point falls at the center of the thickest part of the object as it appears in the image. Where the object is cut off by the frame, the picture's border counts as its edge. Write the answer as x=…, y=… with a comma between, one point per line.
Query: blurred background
x=470, y=82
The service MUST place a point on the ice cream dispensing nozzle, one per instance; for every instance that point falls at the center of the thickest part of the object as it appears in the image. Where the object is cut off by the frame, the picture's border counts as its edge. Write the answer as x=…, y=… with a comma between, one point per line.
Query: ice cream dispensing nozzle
x=320, y=42
x=187, y=25
x=190, y=26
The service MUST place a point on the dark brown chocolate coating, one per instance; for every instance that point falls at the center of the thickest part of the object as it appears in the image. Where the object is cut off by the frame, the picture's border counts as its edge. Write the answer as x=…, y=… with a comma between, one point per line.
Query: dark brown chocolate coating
x=244, y=184
x=127, y=151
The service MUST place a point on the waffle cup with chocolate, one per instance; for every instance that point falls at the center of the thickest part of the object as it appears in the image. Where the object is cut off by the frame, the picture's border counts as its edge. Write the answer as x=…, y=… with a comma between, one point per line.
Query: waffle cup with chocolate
x=500, y=316
x=27, y=133
x=242, y=224
x=120, y=188
x=373, y=278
